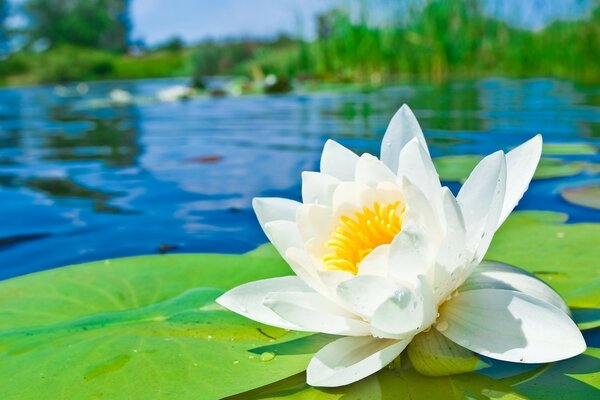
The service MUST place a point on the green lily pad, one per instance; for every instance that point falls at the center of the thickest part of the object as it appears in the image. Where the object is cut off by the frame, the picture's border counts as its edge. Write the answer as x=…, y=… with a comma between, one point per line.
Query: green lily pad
x=577, y=378
x=458, y=168
x=143, y=327
x=587, y=196
x=148, y=327
x=569, y=149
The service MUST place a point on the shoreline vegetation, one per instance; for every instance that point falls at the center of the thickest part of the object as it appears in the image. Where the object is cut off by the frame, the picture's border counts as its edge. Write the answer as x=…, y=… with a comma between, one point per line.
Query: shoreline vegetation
x=443, y=41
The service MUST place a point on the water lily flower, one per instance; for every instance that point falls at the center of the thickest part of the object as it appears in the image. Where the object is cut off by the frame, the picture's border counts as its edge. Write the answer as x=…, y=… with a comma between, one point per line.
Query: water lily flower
x=386, y=258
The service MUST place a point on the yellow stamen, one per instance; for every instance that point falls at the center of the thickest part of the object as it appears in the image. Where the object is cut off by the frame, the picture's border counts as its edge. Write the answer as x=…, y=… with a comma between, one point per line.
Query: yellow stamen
x=357, y=235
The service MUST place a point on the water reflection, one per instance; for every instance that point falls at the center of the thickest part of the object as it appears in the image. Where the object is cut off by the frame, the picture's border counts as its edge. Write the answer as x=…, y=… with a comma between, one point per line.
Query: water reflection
x=84, y=178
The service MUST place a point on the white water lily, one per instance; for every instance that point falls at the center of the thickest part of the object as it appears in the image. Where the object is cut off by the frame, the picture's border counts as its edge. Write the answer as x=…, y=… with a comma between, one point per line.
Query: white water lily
x=383, y=254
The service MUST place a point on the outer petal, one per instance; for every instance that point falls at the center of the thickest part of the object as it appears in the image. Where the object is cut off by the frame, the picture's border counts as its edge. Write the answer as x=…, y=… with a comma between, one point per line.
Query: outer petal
x=371, y=171
x=520, y=167
x=510, y=326
x=314, y=313
x=269, y=209
x=338, y=161
x=415, y=164
x=350, y=359
x=318, y=188
x=402, y=128
x=247, y=299
x=481, y=199
x=496, y=275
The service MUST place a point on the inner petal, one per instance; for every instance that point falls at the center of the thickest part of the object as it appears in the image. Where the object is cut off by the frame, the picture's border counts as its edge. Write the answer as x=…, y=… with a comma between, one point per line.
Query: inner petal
x=358, y=234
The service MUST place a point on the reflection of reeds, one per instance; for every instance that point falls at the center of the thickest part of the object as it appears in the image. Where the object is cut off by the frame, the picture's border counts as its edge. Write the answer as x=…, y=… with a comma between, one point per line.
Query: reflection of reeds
x=446, y=38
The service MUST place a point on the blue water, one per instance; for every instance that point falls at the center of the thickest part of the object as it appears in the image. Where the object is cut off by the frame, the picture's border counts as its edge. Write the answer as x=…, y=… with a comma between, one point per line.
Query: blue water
x=82, y=179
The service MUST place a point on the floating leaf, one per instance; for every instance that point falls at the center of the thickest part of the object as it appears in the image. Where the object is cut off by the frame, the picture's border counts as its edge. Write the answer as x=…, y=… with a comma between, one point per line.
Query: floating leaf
x=142, y=328
x=569, y=149
x=577, y=378
x=587, y=196
x=458, y=168
x=137, y=327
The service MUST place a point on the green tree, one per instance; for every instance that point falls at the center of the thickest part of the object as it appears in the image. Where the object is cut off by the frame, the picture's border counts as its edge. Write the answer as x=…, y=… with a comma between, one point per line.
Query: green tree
x=102, y=24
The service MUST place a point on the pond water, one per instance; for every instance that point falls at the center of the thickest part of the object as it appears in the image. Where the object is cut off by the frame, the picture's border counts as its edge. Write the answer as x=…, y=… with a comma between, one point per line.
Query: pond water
x=84, y=179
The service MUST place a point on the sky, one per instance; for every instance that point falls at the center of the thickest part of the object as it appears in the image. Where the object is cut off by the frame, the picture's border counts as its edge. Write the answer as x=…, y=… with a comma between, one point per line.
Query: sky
x=155, y=21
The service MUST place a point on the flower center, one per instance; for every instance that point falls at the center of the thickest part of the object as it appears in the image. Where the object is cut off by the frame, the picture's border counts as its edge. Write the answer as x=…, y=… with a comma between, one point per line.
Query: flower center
x=358, y=234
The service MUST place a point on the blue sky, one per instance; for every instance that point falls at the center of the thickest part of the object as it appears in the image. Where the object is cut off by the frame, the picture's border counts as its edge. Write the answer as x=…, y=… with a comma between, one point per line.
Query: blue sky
x=157, y=20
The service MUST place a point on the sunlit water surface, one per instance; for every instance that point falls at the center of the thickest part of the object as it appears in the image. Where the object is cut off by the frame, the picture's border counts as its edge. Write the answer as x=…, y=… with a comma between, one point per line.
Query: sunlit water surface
x=82, y=179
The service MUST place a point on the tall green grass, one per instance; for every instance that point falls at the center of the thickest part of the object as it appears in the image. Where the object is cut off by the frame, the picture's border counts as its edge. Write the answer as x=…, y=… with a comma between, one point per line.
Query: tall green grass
x=444, y=40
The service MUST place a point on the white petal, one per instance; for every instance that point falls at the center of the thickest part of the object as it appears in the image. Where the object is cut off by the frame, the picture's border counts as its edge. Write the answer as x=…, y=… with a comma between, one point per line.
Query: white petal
x=510, y=326
x=313, y=312
x=352, y=196
x=452, y=257
x=283, y=235
x=338, y=161
x=420, y=211
x=305, y=267
x=376, y=262
x=406, y=313
x=496, y=275
x=416, y=165
x=411, y=253
x=363, y=294
x=314, y=221
x=521, y=163
x=350, y=359
x=371, y=171
x=269, y=209
x=481, y=199
x=247, y=299
x=318, y=188
x=402, y=129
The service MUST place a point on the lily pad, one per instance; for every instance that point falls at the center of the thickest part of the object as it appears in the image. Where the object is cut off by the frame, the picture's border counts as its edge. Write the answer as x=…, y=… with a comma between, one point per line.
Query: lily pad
x=569, y=149
x=458, y=168
x=577, y=378
x=587, y=196
x=148, y=327
x=143, y=327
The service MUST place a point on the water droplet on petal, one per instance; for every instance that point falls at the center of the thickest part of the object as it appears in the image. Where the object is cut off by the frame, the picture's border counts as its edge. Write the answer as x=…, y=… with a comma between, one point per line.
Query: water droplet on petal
x=267, y=356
